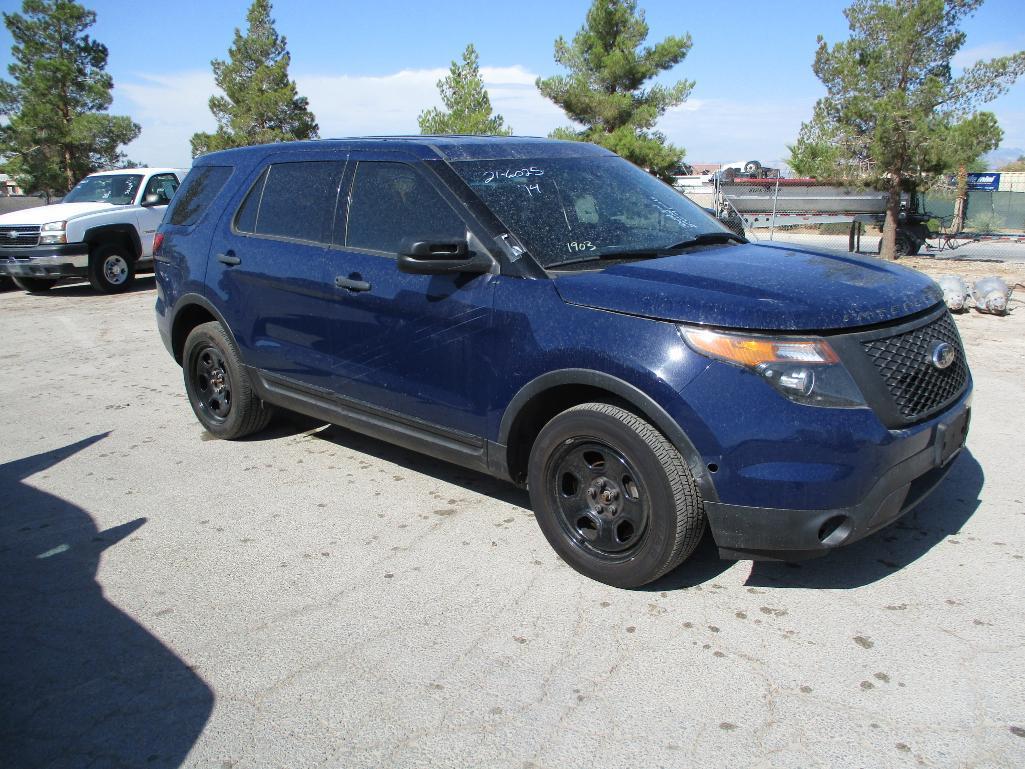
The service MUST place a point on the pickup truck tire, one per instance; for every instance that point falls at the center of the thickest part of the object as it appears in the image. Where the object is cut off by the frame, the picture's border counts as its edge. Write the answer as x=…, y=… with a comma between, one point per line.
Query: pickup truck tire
x=218, y=387
x=111, y=268
x=35, y=285
x=613, y=496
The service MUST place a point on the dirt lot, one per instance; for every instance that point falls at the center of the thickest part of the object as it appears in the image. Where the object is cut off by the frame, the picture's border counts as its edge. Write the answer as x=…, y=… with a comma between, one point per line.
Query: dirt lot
x=315, y=598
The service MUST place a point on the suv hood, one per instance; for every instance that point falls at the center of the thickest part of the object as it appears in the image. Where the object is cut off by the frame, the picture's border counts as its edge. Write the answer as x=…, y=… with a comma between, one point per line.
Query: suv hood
x=55, y=213
x=756, y=287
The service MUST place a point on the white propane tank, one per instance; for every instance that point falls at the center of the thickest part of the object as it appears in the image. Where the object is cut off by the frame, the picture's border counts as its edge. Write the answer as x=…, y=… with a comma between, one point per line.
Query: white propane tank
x=955, y=292
x=991, y=294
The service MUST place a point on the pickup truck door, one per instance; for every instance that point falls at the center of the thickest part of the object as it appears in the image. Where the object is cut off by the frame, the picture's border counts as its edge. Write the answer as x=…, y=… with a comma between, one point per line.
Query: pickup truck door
x=156, y=194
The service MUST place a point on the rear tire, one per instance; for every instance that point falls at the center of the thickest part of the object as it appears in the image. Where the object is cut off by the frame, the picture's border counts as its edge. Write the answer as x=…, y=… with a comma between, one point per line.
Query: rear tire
x=218, y=386
x=613, y=496
x=35, y=285
x=111, y=268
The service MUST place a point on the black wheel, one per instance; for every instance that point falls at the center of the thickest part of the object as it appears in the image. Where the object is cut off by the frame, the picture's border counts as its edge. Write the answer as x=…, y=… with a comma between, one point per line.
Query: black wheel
x=111, y=268
x=903, y=245
x=752, y=166
x=218, y=387
x=35, y=285
x=613, y=496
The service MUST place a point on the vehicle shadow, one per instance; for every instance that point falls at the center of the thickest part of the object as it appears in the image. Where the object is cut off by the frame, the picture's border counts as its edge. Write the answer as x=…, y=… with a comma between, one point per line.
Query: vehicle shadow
x=942, y=514
x=147, y=282
x=81, y=683
x=426, y=465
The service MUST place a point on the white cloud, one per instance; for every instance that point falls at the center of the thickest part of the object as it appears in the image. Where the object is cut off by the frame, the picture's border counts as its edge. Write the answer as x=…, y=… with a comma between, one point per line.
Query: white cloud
x=172, y=107
x=968, y=56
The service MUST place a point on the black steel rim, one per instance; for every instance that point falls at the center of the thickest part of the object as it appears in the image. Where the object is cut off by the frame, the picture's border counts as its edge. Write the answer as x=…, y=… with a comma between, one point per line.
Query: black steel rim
x=211, y=383
x=600, y=500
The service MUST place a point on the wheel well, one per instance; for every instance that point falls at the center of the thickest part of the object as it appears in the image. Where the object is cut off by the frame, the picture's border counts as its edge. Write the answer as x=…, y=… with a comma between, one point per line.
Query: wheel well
x=98, y=238
x=186, y=320
x=540, y=409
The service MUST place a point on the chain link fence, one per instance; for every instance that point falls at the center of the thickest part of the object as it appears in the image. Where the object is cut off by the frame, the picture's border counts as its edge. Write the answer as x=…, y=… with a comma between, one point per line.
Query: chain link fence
x=850, y=219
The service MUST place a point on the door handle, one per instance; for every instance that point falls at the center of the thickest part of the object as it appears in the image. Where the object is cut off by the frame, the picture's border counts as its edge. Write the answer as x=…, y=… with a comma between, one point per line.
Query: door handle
x=350, y=284
x=229, y=259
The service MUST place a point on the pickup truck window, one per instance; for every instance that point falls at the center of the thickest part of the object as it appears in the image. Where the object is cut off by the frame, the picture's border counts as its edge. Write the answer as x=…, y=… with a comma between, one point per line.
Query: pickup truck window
x=571, y=209
x=118, y=189
x=162, y=185
x=391, y=202
x=200, y=187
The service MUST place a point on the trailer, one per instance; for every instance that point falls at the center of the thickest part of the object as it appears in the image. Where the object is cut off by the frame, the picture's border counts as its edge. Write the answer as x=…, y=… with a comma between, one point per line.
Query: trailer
x=770, y=203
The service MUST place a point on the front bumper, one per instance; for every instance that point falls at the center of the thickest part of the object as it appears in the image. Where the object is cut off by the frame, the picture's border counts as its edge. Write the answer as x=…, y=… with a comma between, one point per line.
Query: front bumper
x=57, y=261
x=761, y=533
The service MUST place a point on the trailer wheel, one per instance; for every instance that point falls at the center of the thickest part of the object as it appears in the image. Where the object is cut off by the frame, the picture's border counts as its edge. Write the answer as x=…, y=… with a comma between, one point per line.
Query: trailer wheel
x=904, y=246
x=752, y=167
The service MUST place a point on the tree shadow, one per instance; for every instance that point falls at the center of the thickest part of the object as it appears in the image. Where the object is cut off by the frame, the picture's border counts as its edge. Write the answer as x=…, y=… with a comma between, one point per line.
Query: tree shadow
x=81, y=683
x=943, y=513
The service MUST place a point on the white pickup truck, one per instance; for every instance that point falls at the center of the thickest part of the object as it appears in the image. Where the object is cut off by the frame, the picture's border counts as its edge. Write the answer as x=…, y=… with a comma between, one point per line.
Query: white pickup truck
x=103, y=230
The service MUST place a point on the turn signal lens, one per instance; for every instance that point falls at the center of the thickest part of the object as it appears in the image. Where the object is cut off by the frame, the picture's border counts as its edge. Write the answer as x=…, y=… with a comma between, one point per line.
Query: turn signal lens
x=753, y=351
x=158, y=241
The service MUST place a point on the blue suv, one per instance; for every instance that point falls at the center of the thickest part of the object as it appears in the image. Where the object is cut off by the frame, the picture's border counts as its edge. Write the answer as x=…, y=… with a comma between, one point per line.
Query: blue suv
x=550, y=314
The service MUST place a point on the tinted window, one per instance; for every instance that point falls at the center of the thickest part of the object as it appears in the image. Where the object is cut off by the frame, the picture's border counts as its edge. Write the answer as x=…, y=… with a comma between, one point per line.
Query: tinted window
x=161, y=185
x=298, y=201
x=245, y=219
x=391, y=202
x=200, y=187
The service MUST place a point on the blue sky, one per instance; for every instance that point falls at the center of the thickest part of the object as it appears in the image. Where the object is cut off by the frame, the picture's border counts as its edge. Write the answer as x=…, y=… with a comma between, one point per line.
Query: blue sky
x=371, y=67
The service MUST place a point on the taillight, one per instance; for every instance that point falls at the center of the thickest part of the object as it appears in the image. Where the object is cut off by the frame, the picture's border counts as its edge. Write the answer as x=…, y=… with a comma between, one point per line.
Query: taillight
x=158, y=241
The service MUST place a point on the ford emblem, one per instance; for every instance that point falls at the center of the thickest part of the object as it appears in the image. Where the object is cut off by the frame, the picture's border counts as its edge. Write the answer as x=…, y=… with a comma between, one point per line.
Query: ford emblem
x=943, y=355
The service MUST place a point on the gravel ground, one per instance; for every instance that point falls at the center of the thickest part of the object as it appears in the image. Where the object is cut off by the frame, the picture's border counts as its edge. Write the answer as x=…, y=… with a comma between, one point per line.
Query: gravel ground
x=316, y=598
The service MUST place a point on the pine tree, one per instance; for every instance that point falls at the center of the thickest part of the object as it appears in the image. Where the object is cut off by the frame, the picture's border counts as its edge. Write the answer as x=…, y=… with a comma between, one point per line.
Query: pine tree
x=467, y=106
x=57, y=130
x=605, y=88
x=260, y=104
x=894, y=116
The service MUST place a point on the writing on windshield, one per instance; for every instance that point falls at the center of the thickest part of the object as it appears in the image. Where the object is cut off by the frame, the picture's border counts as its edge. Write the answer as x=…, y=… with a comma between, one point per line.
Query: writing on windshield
x=568, y=209
x=116, y=189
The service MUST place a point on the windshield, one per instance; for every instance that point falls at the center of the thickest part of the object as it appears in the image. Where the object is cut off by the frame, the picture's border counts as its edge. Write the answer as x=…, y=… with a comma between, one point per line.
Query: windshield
x=118, y=189
x=585, y=208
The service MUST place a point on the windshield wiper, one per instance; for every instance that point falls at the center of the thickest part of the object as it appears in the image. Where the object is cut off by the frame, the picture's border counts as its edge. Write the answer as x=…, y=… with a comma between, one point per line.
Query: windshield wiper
x=706, y=239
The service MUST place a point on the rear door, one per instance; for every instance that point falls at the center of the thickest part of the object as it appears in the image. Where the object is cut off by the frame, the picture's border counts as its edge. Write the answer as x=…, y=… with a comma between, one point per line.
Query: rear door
x=408, y=344
x=268, y=272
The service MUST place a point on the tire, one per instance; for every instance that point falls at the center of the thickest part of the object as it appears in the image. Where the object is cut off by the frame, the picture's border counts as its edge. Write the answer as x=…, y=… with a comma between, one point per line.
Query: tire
x=35, y=285
x=111, y=268
x=218, y=386
x=613, y=496
x=903, y=246
x=752, y=167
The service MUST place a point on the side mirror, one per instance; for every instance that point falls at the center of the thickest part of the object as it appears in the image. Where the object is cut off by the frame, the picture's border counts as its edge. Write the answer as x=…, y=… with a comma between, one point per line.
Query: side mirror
x=442, y=257
x=154, y=199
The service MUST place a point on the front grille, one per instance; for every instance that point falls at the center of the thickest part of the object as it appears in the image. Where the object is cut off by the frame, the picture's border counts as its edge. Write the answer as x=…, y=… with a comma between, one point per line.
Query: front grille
x=19, y=236
x=904, y=361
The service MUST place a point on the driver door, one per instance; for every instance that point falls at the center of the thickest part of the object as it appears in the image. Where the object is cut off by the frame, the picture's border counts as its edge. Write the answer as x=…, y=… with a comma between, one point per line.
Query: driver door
x=152, y=204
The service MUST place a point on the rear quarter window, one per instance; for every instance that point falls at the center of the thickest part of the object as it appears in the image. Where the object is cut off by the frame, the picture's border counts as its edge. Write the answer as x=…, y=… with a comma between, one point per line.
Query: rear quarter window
x=196, y=193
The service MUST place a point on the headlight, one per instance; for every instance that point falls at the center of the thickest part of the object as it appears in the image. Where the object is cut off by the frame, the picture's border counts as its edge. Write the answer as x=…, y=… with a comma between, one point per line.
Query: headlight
x=804, y=370
x=53, y=232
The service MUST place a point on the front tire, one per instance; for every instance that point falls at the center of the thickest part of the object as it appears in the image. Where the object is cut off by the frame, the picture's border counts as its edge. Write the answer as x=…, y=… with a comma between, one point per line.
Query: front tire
x=35, y=285
x=111, y=268
x=218, y=387
x=613, y=496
